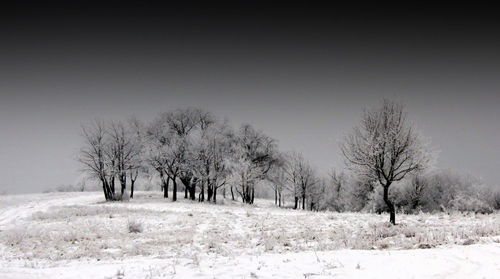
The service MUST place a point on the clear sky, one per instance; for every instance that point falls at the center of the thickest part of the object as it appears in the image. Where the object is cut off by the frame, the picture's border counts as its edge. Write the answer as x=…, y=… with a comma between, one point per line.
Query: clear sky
x=302, y=75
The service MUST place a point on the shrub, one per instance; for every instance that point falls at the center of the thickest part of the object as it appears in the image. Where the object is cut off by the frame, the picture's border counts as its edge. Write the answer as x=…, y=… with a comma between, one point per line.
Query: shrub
x=134, y=226
x=464, y=203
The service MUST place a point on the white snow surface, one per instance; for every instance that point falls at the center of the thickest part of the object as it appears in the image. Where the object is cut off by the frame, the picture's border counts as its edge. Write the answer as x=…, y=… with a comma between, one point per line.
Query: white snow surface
x=77, y=235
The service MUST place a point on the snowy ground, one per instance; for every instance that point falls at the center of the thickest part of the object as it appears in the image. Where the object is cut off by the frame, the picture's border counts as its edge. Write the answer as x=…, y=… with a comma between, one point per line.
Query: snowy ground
x=76, y=235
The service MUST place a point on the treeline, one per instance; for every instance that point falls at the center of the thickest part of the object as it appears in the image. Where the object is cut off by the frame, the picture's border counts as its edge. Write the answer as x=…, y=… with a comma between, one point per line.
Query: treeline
x=191, y=151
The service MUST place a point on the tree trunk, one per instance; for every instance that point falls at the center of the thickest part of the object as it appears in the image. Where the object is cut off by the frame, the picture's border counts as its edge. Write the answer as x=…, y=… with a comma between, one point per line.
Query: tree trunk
x=132, y=182
x=279, y=199
x=174, y=190
x=215, y=195
x=105, y=189
x=192, y=192
x=165, y=187
x=112, y=186
x=111, y=194
x=296, y=203
x=246, y=193
x=190, y=186
x=123, y=183
x=185, y=192
x=232, y=193
x=253, y=195
x=109, y=188
x=246, y=196
x=210, y=192
x=390, y=205
x=163, y=184
x=275, y=196
x=303, y=202
x=201, y=196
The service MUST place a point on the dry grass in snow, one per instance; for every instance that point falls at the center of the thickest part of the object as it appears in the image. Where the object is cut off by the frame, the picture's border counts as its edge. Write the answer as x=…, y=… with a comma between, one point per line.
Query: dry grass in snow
x=44, y=231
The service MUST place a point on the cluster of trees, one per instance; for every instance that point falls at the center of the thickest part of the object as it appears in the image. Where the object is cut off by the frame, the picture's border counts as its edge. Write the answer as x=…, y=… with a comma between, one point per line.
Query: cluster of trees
x=111, y=154
x=294, y=178
x=193, y=151
x=190, y=147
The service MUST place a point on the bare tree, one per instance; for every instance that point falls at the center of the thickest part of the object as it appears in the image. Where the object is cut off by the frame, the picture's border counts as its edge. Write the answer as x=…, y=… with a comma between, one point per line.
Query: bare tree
x=278, y=180
x=158, y=139
x=173, y=150
x=201, y=155
x=301, y=178
x=182, y=122
x=93, y=156
x=385, y=147
x=137, y=162
x=337, y=191
x=125, y=151
x=253, y=155
x=165, y=154
x=212, y=160
x=316, y=195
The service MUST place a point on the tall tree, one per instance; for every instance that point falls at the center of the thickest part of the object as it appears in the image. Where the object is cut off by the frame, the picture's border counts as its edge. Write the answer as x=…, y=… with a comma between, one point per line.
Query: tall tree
x=125, y=151
x=137, y=163
x=253, y=155
x=209, y=163
x=93, y=156
x=301, y=178
x=183, y=123
x=277, y=179
x=159, y=140
x=337, y=182
x=385, y=147
x=173, y=151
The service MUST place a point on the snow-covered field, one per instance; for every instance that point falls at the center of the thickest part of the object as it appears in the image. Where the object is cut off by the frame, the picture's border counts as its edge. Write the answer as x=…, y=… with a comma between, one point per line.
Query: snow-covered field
x=76, y=235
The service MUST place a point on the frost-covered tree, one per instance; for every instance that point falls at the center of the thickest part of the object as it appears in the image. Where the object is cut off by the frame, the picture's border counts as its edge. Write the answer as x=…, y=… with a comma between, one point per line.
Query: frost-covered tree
x=253, y=155
x=96, y=156
x=337, y=193
x=209, y=157
x=301, y=178
x=386, y=148
x=278, y=180
x=137, y=163
x=183, y=123
x=165, y=153
x=188, y=145
x=316, y=195
x=111, y=151
x=125, y=150
x=414, y=191
x=359, y=191
x=220, y=144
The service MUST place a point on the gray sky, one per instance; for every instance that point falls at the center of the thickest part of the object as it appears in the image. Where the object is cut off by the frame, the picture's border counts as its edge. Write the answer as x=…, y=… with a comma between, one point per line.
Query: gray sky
x=302, y=79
